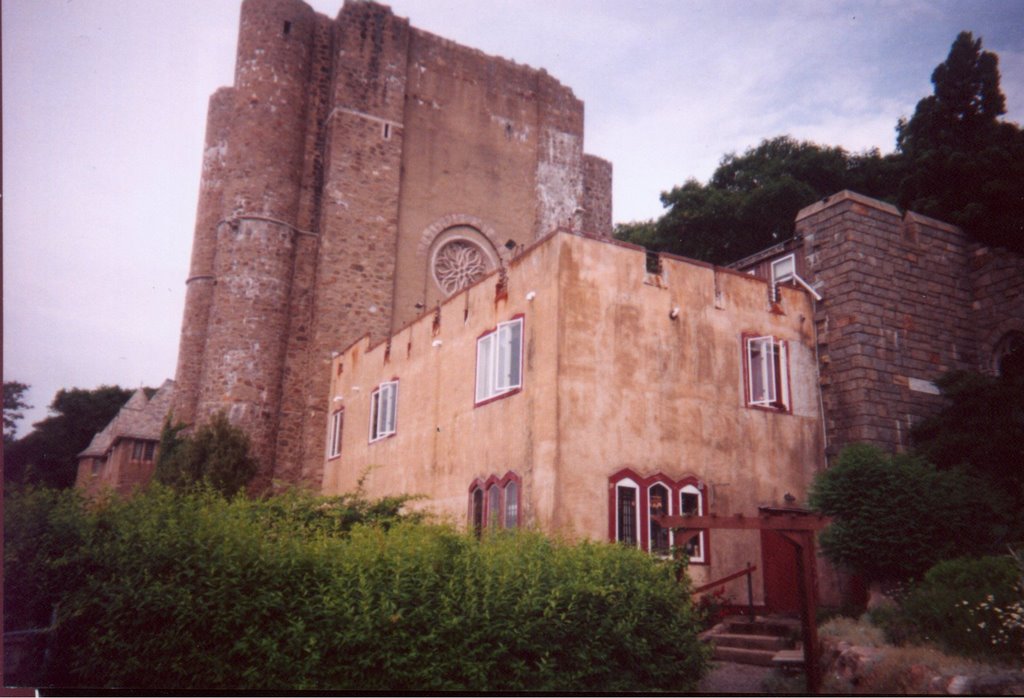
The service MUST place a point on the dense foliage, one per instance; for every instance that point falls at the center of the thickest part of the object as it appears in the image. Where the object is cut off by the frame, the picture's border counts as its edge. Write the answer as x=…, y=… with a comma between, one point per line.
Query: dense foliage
x=981, y=427
x=964, y=165
x=14, y=403
x=47, y=455
x=751, y=201
x=192, y=591
x=897, y=515
x=956, y=160
x=217, y=454
x=968, y=606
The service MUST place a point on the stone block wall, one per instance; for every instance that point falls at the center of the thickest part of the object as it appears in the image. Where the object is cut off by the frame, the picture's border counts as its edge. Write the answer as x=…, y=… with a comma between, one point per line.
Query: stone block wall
x=896, y=315
x=339, y=144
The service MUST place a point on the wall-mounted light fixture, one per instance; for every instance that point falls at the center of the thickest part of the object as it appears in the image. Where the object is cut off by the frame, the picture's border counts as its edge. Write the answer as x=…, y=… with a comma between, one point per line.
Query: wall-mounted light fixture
x=674, y=313
x=531, y=295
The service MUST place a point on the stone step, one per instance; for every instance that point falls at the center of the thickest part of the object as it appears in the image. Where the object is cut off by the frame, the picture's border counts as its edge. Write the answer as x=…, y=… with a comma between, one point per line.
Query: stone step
x=742, y=655
x=789, y=659
x=754, y=642
x=783, y=627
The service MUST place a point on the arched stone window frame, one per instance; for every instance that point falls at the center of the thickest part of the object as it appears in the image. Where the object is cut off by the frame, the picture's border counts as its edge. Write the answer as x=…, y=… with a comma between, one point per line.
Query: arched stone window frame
x=1003, y=339
x=460, y=227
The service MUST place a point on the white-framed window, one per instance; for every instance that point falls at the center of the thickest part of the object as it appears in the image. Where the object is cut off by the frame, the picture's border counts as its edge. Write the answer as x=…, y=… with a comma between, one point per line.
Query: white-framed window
x=511, y=495
x=383, y=408
x=783, y=269
x=659, y=503
x=334, y=441
x=499, y=361
x=767, y=369
x=627, y=512
x=691, y=502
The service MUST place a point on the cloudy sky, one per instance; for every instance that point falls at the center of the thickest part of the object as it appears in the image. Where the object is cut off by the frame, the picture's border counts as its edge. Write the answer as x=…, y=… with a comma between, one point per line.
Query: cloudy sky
x=104, y=108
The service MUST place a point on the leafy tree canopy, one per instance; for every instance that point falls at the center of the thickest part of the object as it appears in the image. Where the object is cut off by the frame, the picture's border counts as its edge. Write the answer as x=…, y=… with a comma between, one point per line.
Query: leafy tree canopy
x=955, y=161
x=217, y=454
x=48, y=454
x=964, y=164
x=14, y=403
x=752, y=199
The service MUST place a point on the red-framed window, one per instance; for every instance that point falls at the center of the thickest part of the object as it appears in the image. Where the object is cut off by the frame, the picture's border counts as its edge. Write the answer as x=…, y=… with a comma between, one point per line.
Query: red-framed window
x=499, y=361
x=766, y=372
x=383, y=410
x=495, y=503
x=634, y=502
x=334, y=437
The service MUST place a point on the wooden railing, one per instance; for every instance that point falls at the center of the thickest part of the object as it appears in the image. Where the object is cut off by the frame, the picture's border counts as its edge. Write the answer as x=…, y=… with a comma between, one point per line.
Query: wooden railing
x=747, y=572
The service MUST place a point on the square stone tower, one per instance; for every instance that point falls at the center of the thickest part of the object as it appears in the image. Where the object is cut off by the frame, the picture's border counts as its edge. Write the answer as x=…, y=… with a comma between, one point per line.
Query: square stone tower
x=357, y=173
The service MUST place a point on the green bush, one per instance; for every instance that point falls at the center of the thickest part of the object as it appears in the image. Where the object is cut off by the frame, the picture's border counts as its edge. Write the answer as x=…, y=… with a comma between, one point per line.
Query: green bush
x=44, y=531
x=896, y=515
x=966, y=605
x=197, y=592
x=217, y=455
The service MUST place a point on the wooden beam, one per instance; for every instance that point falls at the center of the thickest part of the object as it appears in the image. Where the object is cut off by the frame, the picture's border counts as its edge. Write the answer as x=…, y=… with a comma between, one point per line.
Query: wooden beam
x=772, y=522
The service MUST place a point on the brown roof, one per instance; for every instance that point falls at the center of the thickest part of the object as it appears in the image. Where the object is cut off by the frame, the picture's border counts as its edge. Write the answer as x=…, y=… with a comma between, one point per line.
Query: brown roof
x=140, y=418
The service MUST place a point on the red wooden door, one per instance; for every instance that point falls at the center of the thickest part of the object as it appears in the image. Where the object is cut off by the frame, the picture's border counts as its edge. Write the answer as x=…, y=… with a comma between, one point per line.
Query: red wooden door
x=778, y=565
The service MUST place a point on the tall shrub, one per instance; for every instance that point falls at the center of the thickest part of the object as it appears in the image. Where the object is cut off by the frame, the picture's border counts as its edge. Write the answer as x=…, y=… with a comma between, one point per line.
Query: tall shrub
x=896, y=515
x=193, y=591
x=216, y=454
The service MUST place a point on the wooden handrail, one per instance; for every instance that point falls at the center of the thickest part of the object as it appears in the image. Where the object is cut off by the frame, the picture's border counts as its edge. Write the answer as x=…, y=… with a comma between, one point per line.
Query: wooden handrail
x=728, y=578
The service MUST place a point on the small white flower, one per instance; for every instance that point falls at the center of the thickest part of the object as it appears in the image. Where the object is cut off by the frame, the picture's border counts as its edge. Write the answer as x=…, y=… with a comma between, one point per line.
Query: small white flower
x=981, y=624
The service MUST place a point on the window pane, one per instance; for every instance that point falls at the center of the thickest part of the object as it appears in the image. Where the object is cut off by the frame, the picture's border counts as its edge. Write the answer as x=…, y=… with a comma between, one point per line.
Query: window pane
x=761, y=365
x=478, y=511
x=627, y=515
x=690, y=503
x=783, y=269
x=484, y=368
x=515, y=350
x=493, y=507
x=389, y=407
x=658, y=506
x=511, y=505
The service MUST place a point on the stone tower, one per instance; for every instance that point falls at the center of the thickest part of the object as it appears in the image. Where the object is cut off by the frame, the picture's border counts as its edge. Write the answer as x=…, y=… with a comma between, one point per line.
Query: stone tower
x=357, y=173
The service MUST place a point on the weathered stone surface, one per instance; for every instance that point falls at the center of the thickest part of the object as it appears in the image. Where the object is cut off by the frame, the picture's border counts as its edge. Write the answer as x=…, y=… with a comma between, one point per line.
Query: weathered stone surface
x=339, y=144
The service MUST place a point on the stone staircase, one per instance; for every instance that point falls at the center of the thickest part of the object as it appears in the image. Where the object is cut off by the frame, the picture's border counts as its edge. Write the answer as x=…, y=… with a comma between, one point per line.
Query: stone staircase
x=761, y=640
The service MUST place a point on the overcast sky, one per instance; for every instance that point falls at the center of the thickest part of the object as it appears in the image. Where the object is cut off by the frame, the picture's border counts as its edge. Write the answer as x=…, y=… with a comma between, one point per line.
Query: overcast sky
x=104, y=110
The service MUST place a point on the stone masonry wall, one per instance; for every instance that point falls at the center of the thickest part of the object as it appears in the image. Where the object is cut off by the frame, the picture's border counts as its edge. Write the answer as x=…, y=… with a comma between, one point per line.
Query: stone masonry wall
x=895, y=315
x=307, y=179
x=997, y=303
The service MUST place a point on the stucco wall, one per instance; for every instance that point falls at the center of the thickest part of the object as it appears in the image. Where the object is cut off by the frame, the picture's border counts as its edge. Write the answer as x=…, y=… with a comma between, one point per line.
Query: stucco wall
x=443, y=441
x=611, y=381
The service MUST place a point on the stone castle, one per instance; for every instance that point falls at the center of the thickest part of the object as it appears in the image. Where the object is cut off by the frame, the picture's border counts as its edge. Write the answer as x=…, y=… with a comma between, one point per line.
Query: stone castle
x=360, y=174
x=357, y=173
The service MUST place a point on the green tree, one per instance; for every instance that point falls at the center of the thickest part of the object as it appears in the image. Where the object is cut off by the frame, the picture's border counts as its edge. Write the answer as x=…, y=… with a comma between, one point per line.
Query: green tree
x=216, y=454
x=14, y=403
x=751, y=200
x=48, y=454
x=981, y=428
x=897, y=515
x=964, y=164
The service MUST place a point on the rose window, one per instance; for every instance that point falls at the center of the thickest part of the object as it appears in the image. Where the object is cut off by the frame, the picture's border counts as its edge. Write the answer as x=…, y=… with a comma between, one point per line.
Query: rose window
x=458, y=264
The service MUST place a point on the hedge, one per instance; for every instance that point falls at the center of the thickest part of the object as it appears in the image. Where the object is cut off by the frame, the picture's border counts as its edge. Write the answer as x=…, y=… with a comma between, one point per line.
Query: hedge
x=196, y=592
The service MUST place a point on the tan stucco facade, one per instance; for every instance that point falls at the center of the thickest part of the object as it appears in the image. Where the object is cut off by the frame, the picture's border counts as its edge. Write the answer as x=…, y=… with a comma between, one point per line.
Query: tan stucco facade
x=622, y=369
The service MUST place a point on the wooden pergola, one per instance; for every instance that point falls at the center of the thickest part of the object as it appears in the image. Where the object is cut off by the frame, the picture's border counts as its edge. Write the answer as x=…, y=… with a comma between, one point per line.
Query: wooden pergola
x=797, y=526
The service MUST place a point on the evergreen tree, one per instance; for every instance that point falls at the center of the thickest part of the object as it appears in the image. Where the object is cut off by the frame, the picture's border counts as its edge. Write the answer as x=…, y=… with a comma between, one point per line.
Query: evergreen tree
x=964, y=164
